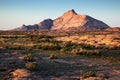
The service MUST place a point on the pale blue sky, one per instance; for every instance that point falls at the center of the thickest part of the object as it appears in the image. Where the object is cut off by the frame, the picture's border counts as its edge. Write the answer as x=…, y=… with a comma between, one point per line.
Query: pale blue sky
x=14, y=13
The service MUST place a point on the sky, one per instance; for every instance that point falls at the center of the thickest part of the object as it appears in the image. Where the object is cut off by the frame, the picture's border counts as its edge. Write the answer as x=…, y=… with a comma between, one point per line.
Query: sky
x=14, y=13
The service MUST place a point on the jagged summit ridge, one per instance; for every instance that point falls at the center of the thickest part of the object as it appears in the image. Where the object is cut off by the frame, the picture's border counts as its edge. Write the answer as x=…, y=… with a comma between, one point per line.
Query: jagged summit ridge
x=70, y=12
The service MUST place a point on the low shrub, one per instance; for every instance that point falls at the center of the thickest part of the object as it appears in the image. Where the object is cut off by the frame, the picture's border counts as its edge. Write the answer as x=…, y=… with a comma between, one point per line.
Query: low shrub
x=50, y=46
x=29, y=57
x=102, y=75
x=63, y=50
x=85, y=52
x=15, y=47
x=87, y=46
x=89, y=74
x=53, y=56
x=31, y=65
x=68, y=44
x=75, y=51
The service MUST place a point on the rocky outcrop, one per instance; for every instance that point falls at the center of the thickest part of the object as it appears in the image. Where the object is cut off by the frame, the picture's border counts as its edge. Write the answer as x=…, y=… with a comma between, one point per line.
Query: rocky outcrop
x=44, y=25
x=23, y=74
x=20, y=74
x=71, y=20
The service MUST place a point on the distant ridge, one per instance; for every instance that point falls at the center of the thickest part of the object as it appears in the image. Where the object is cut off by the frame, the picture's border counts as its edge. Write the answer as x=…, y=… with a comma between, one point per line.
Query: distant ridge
x=70, y=20
x=44, y=25
x=113, y=29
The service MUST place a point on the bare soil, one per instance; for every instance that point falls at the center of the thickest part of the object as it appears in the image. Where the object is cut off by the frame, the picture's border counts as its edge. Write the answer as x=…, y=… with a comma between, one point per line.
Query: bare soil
x=63, y=68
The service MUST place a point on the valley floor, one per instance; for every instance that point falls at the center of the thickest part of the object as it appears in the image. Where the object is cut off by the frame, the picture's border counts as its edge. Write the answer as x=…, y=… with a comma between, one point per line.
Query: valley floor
x=55, y=55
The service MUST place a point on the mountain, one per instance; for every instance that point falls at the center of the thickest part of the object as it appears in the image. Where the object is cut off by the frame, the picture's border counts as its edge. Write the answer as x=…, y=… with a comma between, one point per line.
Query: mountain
x=70, y=20
x=44, y=25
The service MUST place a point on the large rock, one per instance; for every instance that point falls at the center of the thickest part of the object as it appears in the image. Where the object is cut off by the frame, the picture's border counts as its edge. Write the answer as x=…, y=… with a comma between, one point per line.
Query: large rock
x=23, y=74
x=71, y=20
x=20, y=74
x=44, y=25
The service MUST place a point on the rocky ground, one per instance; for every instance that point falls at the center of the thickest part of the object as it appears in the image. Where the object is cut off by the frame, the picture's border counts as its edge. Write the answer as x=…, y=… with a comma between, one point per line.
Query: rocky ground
x=63, y=68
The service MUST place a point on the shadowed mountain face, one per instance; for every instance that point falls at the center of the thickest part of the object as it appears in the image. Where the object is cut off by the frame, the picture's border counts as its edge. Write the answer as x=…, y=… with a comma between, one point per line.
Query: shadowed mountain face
x=44, y=25
x=70, y=20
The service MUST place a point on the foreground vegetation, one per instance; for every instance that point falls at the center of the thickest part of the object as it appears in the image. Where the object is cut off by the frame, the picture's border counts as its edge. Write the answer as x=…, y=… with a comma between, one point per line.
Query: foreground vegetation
x=43, y=55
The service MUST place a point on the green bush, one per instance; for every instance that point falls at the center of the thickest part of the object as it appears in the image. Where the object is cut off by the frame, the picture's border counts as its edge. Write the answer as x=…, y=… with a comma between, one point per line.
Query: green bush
x=29, y=57
x=31, y=65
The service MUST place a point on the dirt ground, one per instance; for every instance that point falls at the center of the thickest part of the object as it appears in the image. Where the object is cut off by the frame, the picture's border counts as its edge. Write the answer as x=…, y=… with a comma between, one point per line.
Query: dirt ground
x=63, y=68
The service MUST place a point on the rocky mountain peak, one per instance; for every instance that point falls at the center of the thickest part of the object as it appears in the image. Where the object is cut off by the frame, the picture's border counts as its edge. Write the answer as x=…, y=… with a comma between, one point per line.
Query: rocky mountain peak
x=70, y=12
x=71, y=20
